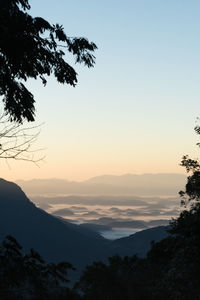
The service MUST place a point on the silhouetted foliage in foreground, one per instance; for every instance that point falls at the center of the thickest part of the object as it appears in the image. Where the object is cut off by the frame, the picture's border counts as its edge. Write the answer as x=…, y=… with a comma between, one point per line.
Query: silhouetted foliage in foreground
x=34, y=48
x=28, y=276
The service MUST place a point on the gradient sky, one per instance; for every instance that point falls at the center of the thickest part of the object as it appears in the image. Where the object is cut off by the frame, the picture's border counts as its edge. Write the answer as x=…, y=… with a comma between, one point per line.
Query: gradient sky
x=136, y=110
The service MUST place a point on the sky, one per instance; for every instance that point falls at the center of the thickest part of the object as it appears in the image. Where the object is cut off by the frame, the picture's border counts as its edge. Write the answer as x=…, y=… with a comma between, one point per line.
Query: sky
x=135, y=111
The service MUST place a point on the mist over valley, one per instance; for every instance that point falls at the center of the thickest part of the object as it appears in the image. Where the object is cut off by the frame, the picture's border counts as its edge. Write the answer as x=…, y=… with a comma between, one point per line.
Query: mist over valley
x=149, y=200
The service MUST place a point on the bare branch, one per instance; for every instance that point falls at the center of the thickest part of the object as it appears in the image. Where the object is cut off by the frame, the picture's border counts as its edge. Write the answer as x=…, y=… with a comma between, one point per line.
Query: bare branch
x=16, y=141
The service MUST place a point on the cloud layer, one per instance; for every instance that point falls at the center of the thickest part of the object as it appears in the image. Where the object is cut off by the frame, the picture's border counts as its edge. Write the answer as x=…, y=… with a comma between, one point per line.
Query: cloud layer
x=114, y=211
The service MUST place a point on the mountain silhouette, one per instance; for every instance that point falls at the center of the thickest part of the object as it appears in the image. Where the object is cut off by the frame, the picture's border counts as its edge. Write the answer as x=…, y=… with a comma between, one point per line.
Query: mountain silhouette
x=53, y=238
x=56, y=239
x=129, y=184
x=140, y=242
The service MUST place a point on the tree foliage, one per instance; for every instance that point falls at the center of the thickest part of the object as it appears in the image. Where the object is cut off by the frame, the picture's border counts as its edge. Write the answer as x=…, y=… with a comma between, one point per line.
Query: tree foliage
x=191, y=194
x=28, y=276
x=33, y=48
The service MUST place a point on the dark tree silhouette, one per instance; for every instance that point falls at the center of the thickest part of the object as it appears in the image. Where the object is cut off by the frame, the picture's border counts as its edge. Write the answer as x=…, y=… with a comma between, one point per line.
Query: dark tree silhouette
x=191, y=194
x=28, y=276
x=33, y=48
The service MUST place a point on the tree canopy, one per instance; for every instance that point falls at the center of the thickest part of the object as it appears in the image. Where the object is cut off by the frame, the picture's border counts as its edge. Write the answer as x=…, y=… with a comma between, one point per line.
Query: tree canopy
x=31, y=47
x=28, y=276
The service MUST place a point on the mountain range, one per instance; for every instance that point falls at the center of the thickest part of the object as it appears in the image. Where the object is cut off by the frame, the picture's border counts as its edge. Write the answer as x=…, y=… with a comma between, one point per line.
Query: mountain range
x=127, y=184
x=56, y=239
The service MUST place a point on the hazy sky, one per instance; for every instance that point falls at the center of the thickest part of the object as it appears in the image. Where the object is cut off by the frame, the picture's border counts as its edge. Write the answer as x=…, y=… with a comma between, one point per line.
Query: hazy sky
x=135, y=111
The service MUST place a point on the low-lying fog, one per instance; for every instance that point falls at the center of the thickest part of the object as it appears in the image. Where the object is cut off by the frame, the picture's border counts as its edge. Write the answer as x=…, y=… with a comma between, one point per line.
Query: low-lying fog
x=112, y=205
x=112, y=216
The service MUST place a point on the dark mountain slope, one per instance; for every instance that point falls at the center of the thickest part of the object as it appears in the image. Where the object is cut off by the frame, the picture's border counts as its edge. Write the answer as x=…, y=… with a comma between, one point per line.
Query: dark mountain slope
x=140, y=242
x=54, y=239
x=58, y=240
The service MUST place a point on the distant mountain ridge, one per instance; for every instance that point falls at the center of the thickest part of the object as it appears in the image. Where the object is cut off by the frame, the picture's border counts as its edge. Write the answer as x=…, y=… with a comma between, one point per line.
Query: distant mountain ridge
x=127, y=184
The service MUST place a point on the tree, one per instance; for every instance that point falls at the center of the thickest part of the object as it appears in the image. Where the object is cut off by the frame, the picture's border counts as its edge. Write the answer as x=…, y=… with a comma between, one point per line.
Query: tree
x=33, y=48
x=28, y=276
x=120, y=278
x=191, y=194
